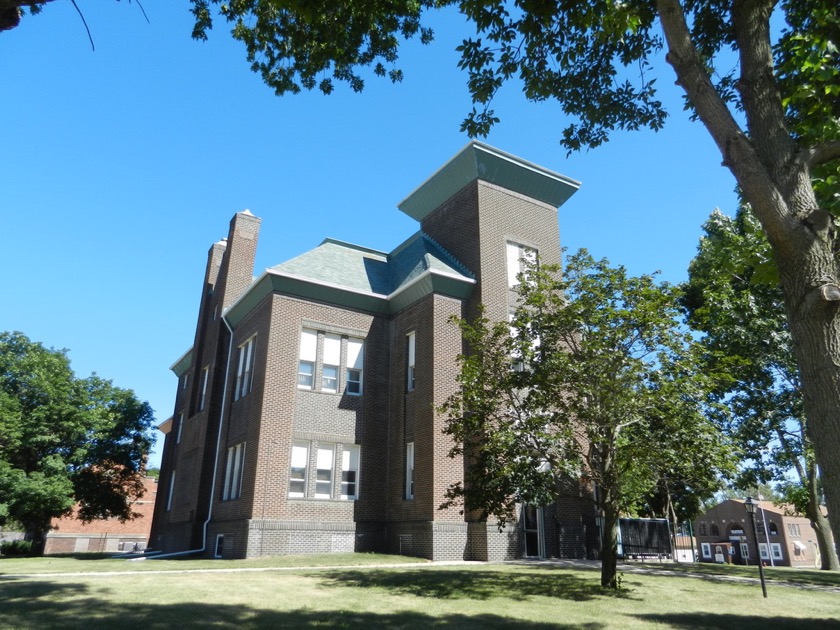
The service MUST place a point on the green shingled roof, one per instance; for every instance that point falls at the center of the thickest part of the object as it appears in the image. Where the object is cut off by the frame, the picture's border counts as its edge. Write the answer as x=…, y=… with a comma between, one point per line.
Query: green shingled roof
x=357, y=268
x=361, y=278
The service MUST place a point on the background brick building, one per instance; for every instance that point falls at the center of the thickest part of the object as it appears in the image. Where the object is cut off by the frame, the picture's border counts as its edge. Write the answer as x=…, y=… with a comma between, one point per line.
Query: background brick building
x=305, y=418
x=724, y=534
x=70, y=535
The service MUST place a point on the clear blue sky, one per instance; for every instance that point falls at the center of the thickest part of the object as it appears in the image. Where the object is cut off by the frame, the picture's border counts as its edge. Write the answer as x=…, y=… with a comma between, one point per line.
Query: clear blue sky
x=119, y=168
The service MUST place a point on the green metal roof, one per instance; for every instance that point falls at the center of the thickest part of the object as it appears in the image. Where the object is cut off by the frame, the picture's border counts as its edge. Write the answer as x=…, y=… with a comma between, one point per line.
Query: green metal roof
x=481, y=161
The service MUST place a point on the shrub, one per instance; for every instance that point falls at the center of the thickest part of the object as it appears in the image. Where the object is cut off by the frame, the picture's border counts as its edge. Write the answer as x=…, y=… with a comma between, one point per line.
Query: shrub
x=16, y=548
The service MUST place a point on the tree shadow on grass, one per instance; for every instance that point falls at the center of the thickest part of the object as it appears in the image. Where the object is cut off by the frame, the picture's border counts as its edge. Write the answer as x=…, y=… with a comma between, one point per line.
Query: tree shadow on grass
x=719, y=621
x=77, y=606
x=457, y=583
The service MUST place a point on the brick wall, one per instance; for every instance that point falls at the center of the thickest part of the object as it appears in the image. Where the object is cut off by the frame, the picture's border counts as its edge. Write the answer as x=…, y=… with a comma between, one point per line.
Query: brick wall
x=69, y=534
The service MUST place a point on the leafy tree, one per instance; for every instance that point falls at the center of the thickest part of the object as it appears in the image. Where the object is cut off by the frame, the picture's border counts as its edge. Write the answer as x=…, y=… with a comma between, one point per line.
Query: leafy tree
x=603, y=394
x=732, y=296
x=776, y=124
x=65, y=440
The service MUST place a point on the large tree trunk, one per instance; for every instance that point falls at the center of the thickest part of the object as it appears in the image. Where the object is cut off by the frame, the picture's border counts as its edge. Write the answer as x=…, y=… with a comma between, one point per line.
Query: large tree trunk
x=773, y=173
x=808, y=276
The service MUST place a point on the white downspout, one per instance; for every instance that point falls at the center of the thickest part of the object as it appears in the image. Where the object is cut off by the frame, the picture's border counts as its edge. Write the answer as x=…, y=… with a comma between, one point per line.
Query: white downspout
x=215, y=460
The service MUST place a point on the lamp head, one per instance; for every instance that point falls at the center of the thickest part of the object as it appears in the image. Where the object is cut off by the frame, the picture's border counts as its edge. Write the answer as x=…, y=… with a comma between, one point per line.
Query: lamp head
x=749, y=505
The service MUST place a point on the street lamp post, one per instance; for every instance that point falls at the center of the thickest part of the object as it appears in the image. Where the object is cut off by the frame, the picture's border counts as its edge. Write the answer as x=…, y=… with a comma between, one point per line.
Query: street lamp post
x=750, y=507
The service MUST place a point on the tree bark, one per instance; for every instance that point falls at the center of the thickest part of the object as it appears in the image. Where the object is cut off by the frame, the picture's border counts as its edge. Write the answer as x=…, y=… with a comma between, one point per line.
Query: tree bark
x=774, y=177
x=825, y=539
x=36, y=533
x=609, y=548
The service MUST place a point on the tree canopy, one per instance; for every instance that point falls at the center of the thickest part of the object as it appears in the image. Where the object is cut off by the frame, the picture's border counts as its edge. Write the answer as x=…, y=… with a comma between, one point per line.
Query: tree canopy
x=65, y=440
x=733, y=297
x=592, y=387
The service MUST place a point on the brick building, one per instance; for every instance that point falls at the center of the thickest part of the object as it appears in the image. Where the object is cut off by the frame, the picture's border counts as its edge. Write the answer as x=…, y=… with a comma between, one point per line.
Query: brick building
x=70, y=535
x=724, y=534
x=304, y=420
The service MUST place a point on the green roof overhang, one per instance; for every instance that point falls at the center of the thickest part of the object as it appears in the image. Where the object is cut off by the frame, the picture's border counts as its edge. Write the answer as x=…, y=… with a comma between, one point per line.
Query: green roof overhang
x=182, y=364
x=480, y=161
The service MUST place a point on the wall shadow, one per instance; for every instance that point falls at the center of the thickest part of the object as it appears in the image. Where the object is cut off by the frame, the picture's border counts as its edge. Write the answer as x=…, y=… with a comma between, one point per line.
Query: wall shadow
x=75, y=606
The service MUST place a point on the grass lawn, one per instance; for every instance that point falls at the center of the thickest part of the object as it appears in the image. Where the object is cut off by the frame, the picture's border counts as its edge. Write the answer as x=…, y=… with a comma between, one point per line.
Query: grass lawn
x=526, y=596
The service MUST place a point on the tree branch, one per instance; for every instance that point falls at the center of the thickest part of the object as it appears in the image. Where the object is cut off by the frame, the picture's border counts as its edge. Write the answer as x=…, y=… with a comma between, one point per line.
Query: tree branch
x=739, y=155
x=822, y=153
x=757, y=84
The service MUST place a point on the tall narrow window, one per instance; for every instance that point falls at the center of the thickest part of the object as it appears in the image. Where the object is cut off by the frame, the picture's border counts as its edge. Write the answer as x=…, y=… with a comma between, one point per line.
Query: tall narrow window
x=244, y=371
x=233, y=472
x=409, y=470
x=202, y=388
x=171, y=491
x=518, y=256
x=355, y=365
x=297, y=474
x=331, y=362
x=180, y=428
x=411, y=354
x=324, y=472
x=350, y=472
x=308, y=356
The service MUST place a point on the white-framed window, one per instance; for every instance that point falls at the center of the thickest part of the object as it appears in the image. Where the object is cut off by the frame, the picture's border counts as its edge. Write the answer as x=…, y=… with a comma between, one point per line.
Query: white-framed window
x=329, y=378
x=706, y=550
x=331, y=363
x=518, y=256
x=794, y=531
x=308, y=356
x=245, y=369
x=355, y=366
x=324, y=465
x=180, y=428
x=185, y=379
x=297, y=472
x=411, y=356
x=232, y=488
x=171, y=492
x=409, y=470
x=202, y=388
x=350, y=472
x=776, y=550
x=220, y=546
x=763, y=552
x=745, y=551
